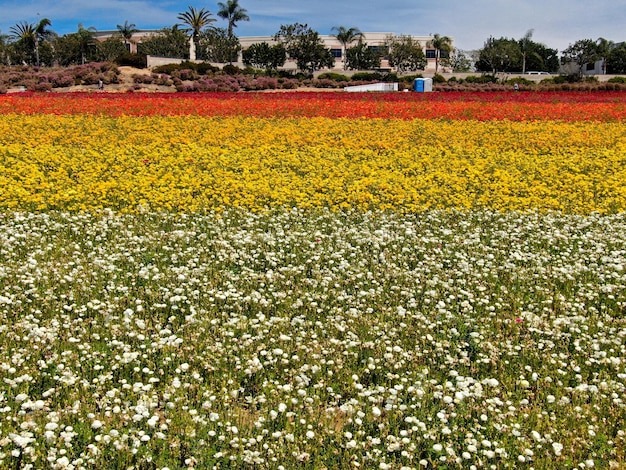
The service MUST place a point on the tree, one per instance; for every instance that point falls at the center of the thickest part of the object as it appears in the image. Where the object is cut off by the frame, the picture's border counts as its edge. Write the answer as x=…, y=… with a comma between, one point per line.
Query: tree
x=127, y=30
x=459, y=61
x=216, y=45
x=362, y=57
x=233, y=13
x=524, y=45
x=443, y=47
x=346, y=36
x=264, y=56
x=616, y=61
x=197, y=20
x=604, y=50
x=110, y=49
x=499, y=55
x=582, y=52
x=32, y=34
x=76, y=48
x=405, y=53
x=168, y=42
x=304, y=46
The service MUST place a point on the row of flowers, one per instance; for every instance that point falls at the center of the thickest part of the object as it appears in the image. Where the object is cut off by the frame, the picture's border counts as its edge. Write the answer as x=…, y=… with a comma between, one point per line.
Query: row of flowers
x=573, y=106
x=192, y=163
x=312, y=339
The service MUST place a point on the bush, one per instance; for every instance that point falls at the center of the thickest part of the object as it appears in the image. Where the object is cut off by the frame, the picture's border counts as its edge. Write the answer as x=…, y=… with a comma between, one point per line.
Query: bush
x=367, y=77
x=204, y=68
x=142, y=78
x=337, y=77
x=138, y=61
x=519, y=81
x=617, y=80
x=324, y=83
x=481, y=79
x=390, y=77
x=231, y=69
x=438, y=78
x=167, y=68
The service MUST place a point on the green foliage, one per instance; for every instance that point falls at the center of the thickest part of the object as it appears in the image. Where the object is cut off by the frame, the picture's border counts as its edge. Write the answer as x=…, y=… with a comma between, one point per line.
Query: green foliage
x=582, y=52
x=458, y=61
x=367, y=76
x=264, y=56
x=132, y=60
x=337, y=77
x=362, y=57
x=230, y=69
x=617, y=80
x=443, y=49
x=438, y=78
x=216, y=45
x=405, y=54
x=201, y=68
x=232, y=13
x=520, y=81
x=616, y=61
x=481, y=79
x=110, y=49
x=304, y=46
x=500, y=55
x=169, y=42
x=76, y=48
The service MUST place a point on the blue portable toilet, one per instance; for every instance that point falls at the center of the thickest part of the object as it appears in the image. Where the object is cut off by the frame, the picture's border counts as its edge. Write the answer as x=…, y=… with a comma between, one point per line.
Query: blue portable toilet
x=423, y=85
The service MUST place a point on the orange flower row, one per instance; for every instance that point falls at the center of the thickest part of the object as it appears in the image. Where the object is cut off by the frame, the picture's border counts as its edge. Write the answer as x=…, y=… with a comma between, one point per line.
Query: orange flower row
x=562, y=106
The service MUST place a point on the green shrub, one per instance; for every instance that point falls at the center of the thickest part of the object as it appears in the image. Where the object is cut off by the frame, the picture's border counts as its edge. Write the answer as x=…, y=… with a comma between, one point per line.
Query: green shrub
x=166, y=69
x=438, y=78
x=481, y=79
x=138, y=61
x=390, y=77
x=519, y=81
x=337, y=77
x=617, y=80
x=366, y=76
x=231, y=69
x=204, y=68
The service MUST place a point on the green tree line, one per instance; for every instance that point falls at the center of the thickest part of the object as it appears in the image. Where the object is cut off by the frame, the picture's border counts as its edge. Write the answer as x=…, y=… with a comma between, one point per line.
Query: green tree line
x=196, y=37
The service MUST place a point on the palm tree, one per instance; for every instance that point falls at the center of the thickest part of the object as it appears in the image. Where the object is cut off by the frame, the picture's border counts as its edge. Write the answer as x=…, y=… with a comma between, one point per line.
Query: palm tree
x=440, y=44
x=86, y=39
x=604, y=49
x=127, y=30
x=32, y=34
x=524, y=43
x=346, y=36
x=232, y=12
x=197, y=21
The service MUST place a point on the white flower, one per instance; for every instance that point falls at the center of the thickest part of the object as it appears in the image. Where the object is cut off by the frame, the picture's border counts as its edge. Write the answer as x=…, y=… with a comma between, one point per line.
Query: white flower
x=558, y=448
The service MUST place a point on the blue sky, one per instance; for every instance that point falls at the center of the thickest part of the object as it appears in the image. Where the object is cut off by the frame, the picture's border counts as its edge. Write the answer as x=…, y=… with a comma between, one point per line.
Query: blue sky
x=556, y=23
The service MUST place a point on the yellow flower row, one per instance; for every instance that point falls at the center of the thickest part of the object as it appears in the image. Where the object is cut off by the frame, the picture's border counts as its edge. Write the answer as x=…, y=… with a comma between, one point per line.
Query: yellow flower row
x=196, y=163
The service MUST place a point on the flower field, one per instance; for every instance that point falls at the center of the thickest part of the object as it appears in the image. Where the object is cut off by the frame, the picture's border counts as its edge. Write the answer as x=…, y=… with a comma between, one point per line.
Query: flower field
x=304, y=280
x=325, y=150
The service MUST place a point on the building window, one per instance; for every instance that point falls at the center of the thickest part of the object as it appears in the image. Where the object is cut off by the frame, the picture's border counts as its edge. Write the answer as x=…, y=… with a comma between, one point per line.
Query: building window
x=431, y=53
x=336, y=53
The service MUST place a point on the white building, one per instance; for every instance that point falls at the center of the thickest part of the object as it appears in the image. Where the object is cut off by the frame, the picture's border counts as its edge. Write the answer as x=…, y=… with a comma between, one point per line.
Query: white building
x=372, y=39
